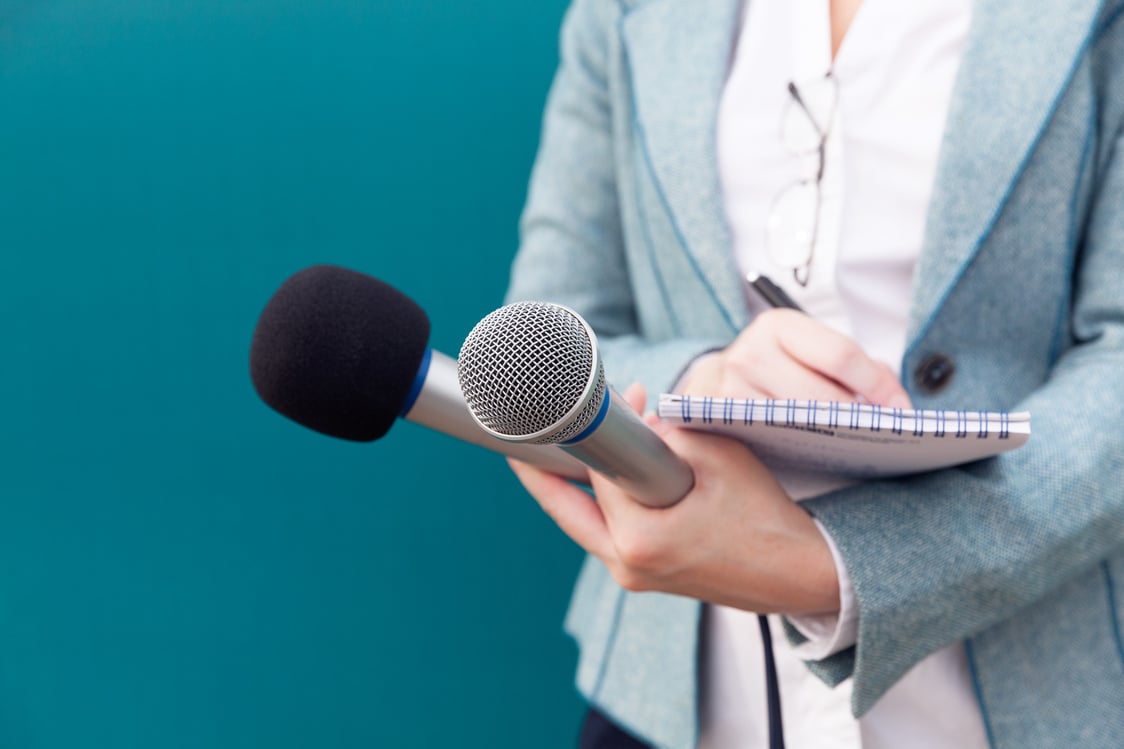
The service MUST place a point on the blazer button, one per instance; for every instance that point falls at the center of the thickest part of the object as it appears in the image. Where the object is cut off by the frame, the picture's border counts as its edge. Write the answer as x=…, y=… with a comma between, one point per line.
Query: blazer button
x=934, y=373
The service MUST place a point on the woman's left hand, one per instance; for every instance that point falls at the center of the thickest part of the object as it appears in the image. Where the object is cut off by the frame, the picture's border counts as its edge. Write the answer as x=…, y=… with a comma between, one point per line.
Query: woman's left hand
x=736, y=539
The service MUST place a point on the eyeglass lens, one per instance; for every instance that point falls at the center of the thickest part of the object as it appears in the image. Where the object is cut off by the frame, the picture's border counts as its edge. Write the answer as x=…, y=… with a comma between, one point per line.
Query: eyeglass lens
x=794, y=219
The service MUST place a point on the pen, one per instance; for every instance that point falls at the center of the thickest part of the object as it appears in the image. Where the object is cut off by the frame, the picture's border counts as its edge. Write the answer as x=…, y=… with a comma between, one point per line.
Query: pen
x=773, y=295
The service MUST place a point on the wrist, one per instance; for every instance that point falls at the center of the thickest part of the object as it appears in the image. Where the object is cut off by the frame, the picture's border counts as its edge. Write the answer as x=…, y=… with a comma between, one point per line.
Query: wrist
x=829, y=634
x=813, y=579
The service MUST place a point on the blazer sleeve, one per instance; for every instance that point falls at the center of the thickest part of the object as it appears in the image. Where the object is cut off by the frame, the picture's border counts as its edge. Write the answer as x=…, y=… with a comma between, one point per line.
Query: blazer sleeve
x=572, y=239
x=940, y=557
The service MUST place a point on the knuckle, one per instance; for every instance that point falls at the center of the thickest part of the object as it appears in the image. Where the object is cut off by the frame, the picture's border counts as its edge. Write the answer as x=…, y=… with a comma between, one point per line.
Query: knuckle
x=771, y=322
x=765, y=332
x=629, y=579
x=639, y=555
x=769, y=318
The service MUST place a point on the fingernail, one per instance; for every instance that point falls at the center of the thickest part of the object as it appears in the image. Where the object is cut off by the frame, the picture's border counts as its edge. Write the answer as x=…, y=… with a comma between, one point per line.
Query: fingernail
x=900, y=401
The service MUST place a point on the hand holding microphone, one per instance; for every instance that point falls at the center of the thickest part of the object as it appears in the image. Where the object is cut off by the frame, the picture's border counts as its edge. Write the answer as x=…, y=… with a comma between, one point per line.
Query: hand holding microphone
x=346, y=355
x=531, y=372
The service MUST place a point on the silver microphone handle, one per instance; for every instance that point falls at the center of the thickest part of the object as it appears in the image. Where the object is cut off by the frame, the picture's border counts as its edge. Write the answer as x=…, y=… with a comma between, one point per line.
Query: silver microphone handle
x=627, y=452
x=441, y=407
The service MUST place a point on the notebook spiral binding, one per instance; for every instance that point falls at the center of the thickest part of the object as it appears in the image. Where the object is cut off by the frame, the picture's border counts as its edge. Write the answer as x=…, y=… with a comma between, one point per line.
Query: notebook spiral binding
x=852, y=416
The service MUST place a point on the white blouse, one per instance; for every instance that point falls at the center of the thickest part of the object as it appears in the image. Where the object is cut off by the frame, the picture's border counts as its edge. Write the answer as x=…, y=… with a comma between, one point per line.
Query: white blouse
x=893, y=78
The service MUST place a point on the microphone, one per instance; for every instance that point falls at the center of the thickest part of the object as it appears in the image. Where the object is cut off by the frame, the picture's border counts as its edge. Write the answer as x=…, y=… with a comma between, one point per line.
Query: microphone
x=345, y=354
x=531, y=373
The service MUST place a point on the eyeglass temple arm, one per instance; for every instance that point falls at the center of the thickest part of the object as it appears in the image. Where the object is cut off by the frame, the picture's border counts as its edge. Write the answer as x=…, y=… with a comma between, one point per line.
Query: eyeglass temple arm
x=800, y=100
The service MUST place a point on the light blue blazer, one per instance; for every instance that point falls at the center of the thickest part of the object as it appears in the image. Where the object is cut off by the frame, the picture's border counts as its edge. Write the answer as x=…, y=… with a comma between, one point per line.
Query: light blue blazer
x=1020, y=284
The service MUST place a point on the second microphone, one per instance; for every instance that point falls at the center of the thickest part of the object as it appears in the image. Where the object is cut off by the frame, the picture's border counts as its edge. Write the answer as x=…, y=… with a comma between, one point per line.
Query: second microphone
x=531, y=373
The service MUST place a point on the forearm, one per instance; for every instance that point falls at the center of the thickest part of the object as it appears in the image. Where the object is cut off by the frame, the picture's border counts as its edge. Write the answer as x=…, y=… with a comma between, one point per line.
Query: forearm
x=940, y=557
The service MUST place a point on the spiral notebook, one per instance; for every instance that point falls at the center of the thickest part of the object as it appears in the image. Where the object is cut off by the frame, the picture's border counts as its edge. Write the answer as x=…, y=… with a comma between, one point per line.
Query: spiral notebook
x=851, y=439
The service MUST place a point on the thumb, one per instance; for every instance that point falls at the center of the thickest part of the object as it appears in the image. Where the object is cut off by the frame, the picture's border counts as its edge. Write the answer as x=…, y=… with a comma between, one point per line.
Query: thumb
x=636, y=397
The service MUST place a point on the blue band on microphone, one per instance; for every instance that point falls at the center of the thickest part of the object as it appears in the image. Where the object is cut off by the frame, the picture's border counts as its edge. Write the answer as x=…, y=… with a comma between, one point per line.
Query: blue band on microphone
x=596, y=421
x=419, y=381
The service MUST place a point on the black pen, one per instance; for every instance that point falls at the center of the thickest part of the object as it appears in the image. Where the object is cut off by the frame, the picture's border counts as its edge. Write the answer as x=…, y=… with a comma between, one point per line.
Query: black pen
x=773, y=295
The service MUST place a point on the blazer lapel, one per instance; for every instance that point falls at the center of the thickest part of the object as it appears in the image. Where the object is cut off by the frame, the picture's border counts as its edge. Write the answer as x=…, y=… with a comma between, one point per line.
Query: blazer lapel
x=678, y=53
x=1019, y=59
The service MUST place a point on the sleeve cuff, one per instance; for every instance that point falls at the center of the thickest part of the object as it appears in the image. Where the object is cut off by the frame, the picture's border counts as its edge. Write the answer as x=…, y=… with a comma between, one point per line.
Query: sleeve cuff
x=829, y=634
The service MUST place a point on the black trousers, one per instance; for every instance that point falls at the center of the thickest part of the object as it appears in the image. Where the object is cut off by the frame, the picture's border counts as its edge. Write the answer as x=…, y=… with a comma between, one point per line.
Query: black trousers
x=598, y=732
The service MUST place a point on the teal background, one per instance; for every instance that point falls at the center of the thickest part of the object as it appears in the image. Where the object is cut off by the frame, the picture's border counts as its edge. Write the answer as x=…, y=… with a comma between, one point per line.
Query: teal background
x=180, y=567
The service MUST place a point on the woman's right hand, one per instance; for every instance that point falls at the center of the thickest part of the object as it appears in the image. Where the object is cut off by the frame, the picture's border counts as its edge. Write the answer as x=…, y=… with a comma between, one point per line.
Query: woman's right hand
x=785, y=353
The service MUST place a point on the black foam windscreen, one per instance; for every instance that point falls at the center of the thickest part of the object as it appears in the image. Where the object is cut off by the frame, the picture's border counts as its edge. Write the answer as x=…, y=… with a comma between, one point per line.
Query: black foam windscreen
x=338, y=351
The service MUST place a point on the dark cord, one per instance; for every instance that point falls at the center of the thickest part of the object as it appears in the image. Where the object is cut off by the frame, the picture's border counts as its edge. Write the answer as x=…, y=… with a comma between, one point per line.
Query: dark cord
x=772, y=687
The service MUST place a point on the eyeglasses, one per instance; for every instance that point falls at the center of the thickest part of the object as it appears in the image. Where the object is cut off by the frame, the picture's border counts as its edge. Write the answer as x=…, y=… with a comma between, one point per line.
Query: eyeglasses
x=794, y=219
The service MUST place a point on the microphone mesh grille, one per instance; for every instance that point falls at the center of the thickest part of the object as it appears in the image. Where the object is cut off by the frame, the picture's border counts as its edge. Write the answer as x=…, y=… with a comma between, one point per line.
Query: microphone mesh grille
x=524, y=367
x=584, y=418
